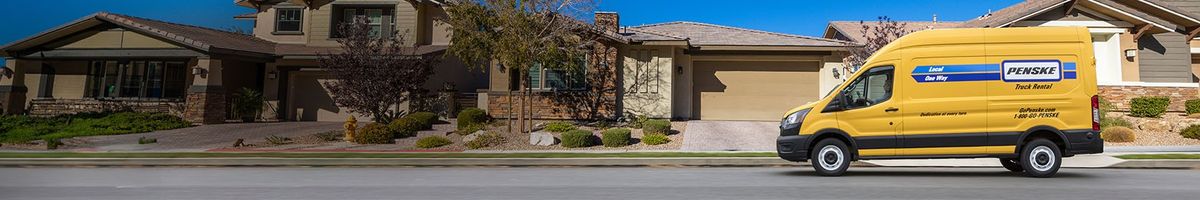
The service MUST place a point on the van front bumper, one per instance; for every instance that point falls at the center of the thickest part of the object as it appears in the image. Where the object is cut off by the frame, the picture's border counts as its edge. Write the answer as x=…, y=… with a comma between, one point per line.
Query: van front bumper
x=792, y=147
x=1083, y=142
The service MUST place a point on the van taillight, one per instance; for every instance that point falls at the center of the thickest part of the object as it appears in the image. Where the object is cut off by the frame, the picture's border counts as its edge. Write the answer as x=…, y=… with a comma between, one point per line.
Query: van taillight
x=1096, y=112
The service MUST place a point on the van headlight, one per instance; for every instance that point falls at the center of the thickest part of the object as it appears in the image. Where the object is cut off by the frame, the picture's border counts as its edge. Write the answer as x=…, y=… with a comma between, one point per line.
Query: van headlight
x=794, y=119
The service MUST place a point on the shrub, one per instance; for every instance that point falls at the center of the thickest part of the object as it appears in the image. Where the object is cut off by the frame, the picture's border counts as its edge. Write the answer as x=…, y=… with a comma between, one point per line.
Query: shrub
x=1117, y=134
x=657, y=126
x=1148, y=106
x=469, y=129
x=404, y=127
x=374, y=133
x=577, y=138
x=471, y=116
x=328, y=136
x=617, y=137
x=638, y=121
x=426, y=119
x=144, y=140
x=559, y=127
x=1193, y=106
x=433, y=141
x=53, y=143
x=1192, y=132
x=247, y=104
x=277, y=140
x=655, y=139
x=486, y=140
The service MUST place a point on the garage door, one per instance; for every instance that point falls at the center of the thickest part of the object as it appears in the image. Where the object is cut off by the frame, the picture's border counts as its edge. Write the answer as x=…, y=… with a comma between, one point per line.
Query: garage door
x=752, y=90
x=311, y=101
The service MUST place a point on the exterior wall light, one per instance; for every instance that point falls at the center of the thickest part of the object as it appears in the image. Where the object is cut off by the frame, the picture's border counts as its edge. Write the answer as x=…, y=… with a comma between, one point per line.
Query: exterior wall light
x=197, y=71
x=272, y=75
x=1130, y=53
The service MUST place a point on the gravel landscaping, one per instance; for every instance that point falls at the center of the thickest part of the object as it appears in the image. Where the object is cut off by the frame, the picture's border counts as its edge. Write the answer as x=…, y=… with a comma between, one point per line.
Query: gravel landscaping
x=1158, y=131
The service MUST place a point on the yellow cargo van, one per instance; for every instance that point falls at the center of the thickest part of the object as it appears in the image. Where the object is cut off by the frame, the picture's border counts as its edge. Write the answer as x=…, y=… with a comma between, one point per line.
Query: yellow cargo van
x=1024, y=95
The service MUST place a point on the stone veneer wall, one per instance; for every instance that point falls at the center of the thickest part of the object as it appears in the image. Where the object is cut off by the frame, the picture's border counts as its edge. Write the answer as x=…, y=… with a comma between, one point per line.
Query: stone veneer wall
x=1119, y=96
x=205, y=107
x=55, y=107
x=545, y=106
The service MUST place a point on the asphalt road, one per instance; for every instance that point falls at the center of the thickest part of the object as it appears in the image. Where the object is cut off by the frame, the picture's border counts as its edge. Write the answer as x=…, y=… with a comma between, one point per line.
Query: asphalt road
x=588, y=183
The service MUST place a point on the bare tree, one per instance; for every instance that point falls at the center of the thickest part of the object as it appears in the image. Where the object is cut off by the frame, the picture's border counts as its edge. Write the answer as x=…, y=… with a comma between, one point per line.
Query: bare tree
x=375, y=73
x=876, y=35
x=518, y=35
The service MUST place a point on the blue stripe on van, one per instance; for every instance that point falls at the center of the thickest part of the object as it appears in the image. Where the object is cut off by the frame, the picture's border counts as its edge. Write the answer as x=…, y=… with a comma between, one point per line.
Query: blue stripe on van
x=971, y=72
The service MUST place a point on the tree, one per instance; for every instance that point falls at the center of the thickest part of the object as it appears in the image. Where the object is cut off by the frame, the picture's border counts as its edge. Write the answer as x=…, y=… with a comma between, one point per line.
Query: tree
x=375, y=73
x=876, y=35
x=518, y=35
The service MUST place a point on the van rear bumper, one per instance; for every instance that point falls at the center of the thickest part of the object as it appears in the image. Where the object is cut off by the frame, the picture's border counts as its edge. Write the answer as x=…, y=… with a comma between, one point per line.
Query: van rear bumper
x=1083, y=142
x=792, y=147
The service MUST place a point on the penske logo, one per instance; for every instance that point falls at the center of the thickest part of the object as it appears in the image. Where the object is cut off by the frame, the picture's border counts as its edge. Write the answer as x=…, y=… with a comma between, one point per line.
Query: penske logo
x=1031, y=70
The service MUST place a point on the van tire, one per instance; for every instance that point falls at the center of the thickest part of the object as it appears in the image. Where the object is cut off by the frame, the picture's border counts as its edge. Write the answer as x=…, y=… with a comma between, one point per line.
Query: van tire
x=830, y=157
x=1011, y=164
x=1040, y=158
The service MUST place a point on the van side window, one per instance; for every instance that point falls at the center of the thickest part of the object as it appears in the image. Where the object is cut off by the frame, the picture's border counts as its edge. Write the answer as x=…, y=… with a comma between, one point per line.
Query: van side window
x=871, y=88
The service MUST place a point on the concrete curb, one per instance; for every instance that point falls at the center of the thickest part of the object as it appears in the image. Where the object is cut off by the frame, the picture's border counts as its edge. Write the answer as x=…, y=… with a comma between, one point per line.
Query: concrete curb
x=497, y=162
x=407, y=162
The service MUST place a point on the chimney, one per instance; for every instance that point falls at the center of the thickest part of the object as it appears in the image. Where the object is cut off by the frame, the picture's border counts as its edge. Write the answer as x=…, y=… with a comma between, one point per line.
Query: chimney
x=608, y=21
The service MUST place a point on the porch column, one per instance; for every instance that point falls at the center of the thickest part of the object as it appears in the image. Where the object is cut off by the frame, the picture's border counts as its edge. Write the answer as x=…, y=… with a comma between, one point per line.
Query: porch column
x=205, y=98
x=12, y=87
x=270, y=92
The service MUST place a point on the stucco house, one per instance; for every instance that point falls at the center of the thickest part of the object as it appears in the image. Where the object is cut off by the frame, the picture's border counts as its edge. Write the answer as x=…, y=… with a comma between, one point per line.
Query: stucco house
x=1143, y=47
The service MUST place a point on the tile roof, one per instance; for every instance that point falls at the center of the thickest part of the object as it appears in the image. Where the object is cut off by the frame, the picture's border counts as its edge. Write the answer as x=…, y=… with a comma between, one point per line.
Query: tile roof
x=853, y=29
x=1186, y=7
x=193, y=36
x=709, y=34
x=1011, y=13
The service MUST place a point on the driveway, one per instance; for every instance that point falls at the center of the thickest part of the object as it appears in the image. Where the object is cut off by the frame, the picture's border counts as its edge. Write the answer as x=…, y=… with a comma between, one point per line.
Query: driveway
x=730, y=136
x=200, y=138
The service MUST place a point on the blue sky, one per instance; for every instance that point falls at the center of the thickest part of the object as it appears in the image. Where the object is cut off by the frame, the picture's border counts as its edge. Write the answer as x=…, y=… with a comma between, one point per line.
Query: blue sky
x=804, y=17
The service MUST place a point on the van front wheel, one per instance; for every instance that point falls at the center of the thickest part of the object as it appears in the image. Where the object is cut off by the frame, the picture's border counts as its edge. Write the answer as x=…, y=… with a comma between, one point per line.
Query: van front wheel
x=830, y=157
x=1040, y=158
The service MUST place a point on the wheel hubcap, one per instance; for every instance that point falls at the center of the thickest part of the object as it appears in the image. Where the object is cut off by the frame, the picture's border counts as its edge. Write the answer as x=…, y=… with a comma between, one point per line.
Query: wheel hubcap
x=831, y=157
x=1042, y=158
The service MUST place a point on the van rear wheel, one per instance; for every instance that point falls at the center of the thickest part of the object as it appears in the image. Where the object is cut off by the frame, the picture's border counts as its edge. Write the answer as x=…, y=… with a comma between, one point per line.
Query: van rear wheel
x=1040, y=158
x=830, y=157
x=1011, y=164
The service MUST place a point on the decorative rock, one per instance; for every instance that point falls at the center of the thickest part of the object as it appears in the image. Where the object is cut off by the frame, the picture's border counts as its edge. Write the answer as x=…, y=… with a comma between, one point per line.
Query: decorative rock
x=1155, y=126
x=541, y=139
x=472, y=136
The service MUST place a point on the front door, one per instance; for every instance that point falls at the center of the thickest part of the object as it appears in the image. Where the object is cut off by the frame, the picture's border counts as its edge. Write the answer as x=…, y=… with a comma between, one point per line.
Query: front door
x=870, y=113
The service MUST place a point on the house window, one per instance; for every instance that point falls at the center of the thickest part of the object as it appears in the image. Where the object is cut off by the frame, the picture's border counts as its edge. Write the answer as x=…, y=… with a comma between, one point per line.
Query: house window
x=380, y=19
x=289, y=20
x=543, y=78
x=136, y=79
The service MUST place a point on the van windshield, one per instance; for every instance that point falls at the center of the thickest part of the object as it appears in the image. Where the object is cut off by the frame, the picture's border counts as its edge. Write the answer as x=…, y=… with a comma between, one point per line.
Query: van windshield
x=835, y=86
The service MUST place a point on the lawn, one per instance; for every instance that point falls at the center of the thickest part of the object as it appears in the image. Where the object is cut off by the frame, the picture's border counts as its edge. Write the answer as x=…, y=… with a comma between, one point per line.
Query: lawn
x=1159, y=156
x=21, y=129
x=383, y=155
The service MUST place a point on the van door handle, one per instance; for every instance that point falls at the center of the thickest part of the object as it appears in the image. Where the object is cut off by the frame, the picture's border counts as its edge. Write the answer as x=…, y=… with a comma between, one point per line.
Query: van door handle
x=892, y=109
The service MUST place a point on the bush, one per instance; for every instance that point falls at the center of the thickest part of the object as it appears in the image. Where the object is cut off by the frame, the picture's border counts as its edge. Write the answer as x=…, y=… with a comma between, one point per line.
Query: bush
x=617, y=137
x=1148, y=106
x=469, y=129
x=328, y=136
x=471, y=116
x=486, y=140
x=638, y=121
x=657, y=126
x=404, y=127
x=655, y=139
x=560, y=127
x=1118, y=134
x=53, y=143
x=277, y=140
x=1193, y=106
x=374, y=133
x=1192, y=132
x=433, y=141
x=577, y=138
x=144, y=140
x=426, y=119
x=247, y=104
x=1106, y=122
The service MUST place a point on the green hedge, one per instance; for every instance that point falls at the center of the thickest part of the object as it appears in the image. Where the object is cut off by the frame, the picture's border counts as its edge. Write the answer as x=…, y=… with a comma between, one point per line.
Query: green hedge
x=1193, y=106
x=559, y=127
x=657, y=126
x=471, y=117
x=1192, y=132
x=1148, y=106
x=374, y=133
x=655, y=139
x=617, y=137
x=577, y=138
x=426, y=119
x=405, y=127
x=433, y=141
